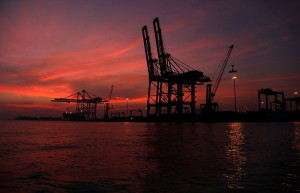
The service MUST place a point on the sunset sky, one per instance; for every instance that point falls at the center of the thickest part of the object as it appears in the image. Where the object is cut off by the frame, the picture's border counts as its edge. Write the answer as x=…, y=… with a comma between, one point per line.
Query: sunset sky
x=55, y=48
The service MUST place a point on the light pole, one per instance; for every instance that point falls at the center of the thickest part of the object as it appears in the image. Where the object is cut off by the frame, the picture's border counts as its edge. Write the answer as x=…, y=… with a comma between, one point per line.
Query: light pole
x=127, y=107
x=234, y=90
x=296, y=102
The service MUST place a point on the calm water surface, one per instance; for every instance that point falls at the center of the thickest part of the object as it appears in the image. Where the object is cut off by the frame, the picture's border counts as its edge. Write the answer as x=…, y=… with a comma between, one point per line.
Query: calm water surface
x=149, y=157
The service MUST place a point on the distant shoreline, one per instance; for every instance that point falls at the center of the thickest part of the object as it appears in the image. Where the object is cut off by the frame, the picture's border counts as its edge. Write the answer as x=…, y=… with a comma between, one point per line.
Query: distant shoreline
x=225, y=116
x=37, y=118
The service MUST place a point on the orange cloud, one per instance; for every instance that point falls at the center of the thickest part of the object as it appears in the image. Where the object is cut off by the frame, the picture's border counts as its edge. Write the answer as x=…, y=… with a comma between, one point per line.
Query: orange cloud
x=34, y=105
x=131, y=100
x=45, y=91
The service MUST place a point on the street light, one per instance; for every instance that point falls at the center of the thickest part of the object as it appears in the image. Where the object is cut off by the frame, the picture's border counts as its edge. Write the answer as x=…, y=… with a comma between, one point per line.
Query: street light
x=127, y=107
x=234, y=78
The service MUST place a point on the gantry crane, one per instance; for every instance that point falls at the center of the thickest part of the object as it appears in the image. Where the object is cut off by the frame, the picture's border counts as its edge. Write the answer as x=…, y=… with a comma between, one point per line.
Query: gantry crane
x=86, y=105
x=279, y=105
x=211, y=106
x=171, y=82
x=107, y=105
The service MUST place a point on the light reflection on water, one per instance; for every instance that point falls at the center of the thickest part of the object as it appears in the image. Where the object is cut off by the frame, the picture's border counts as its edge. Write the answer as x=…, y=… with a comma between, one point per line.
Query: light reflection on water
x=235, y=153
x=296, y=141
x=294, y=175
x=149, y=157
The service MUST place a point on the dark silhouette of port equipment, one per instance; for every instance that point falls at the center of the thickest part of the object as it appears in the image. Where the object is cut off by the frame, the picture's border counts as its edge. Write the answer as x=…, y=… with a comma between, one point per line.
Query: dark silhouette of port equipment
x=86, y=105
x=136, y=113
x=210, y=105
x=108, y=105
x=118, y=115
x=276, y=105
x=172, y=83
x=293, y=103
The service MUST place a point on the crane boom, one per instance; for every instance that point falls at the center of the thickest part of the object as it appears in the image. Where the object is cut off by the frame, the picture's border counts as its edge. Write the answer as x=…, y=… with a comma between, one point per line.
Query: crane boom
x=82, y=96
x=211, y=106
x=215, y=88
x=111, y=91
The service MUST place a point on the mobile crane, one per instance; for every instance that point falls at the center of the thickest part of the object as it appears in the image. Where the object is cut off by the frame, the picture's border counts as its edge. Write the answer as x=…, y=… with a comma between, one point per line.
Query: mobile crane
x=210, y=105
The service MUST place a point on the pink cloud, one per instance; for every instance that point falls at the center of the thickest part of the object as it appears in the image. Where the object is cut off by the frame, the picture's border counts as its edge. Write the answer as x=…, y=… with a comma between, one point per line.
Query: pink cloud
x=243, y=50
x=285, y=38
x=292, y=77
x=129, y=47
x=54, y=55
x=51, y=77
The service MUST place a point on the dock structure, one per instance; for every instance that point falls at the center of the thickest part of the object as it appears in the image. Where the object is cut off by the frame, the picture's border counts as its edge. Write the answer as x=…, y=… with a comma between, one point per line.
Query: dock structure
x=293, y=104
x=172, y=83
x=271, y=105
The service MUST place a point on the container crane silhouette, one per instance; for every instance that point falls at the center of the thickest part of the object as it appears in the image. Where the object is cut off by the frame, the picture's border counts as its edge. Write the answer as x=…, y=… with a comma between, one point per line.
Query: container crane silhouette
x=172, y=83
x=86, y=105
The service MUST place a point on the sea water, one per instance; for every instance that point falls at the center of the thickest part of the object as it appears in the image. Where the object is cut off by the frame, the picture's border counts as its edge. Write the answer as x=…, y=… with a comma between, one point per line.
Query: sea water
x=42, y=156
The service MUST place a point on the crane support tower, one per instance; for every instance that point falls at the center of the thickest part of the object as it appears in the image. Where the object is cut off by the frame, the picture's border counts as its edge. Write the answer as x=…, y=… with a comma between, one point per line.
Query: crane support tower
x=172, y=83
x=107, y=105
x=211, y=106
x=86, y=105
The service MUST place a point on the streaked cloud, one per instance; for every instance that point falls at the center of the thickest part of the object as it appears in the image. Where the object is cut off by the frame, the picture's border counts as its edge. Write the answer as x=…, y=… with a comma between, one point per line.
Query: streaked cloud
x=55, y=48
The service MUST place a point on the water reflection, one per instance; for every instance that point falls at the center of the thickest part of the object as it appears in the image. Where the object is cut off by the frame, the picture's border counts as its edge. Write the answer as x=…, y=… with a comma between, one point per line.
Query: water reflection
x=294, y=175
x=236, y=155
x=297, y=137
x=188, y=157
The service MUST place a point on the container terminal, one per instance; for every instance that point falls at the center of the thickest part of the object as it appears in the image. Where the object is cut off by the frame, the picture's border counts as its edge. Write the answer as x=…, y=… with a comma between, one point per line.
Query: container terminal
x=172, y=94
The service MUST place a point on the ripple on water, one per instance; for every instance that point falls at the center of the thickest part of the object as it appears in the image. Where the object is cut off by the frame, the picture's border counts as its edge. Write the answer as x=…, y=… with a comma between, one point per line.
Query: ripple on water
x=149, y=157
